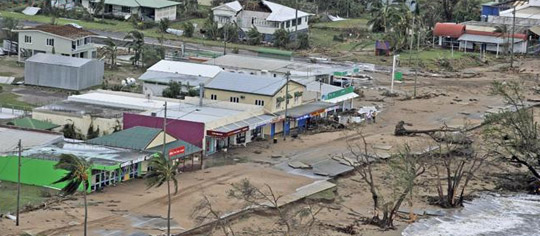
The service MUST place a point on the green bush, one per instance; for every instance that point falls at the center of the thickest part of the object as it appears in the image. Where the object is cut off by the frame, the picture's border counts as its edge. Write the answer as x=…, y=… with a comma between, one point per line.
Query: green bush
x=281, y=38
x=189, y=28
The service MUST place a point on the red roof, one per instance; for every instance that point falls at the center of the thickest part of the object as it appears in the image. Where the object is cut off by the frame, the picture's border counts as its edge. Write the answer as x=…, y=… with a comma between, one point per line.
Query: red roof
x=452, y=30
x=67, y=31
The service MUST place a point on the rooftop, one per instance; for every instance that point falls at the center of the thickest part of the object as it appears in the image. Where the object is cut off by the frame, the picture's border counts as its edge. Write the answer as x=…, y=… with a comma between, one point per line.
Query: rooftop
x=306, y=109
x=137, y=138
x=10, y=136
x=278, y=12
x=99, y=155
x=53, y=59
x=167, y=77
x=248, y=62
x=189, y=148
x=67, y=31
x=186, y=68
x=80, y=109
x=142, y=3
x=262, y=85
x=30, y=123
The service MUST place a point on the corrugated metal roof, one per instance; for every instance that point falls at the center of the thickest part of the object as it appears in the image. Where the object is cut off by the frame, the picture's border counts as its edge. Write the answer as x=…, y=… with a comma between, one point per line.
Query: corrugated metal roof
x=247, y=62
x=252, y=122
x=305, y=109
x=53, y=59
x=166, y=77
x=234, y=5
x=186, y=68
x=142, y=3
x=30, y=123
x=486, y=39
x=243, y=83
x=9, y=137
x=449, y=30
x=136, y=138
x=282, y=13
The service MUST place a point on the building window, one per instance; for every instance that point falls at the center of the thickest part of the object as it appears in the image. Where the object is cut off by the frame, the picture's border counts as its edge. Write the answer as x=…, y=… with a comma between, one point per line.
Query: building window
x=27, y=39
x=235, y=99
x=299, y=21
x=288, y=24
x=87, y=40
x=50, y=42
x=126, y=10
x=73, y=45
x=213, y=97
x=259, y=102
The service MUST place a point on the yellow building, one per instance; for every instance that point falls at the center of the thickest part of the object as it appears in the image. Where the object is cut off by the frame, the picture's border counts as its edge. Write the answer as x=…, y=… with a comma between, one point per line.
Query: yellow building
x=269, y=92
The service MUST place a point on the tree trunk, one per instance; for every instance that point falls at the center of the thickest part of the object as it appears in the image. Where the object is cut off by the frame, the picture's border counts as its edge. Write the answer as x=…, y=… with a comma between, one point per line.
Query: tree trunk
x=169, y=209
x=85, y=209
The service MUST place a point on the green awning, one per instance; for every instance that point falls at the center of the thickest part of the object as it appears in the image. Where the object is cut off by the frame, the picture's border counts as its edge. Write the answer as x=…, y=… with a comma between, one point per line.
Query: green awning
x=30, y=123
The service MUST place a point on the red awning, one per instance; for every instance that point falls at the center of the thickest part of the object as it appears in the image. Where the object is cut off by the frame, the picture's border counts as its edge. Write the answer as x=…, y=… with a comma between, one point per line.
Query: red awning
x=452, y=30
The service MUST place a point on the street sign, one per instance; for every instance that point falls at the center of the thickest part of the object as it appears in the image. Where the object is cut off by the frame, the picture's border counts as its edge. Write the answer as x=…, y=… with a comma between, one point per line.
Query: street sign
x=340, y=92
x=398, y=76
x=177, y=151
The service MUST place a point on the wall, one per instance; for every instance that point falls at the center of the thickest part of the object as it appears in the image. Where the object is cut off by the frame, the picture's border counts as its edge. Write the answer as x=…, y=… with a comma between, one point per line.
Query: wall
x=29, y=167
x=159, y=140
x=65, y=77
x=39, y=42
x=269, y=102
x=82, y=123
x=191, y=132
x=166, y=12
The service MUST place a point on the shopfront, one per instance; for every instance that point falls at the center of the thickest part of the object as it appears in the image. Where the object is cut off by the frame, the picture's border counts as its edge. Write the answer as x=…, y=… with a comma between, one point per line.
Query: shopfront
x=217, y=140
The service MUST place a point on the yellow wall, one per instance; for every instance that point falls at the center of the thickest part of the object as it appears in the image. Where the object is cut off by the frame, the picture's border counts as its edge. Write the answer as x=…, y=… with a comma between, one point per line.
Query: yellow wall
x=159, y=140
x=82, y=123
x=269, y=102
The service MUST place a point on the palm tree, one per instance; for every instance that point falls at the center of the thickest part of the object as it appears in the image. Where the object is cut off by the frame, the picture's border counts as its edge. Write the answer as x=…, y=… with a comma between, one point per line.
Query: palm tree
x=77, y=174
x=136, y=42
x=110, y=51
x=163, y=170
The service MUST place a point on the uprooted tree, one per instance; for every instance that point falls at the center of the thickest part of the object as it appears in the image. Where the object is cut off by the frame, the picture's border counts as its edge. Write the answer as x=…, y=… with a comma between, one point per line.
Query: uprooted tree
x=513, y=134
x=295, y=221
x=404, y=170
x=205, y=211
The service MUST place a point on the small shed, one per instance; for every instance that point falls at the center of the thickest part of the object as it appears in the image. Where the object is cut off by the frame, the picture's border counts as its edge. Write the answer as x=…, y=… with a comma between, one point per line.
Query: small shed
x=382, y=48
x=56, y=71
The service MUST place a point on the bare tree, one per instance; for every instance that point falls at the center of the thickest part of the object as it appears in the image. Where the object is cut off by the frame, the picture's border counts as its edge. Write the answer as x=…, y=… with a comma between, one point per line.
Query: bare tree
x=405, y=168
x=455, y=165
x=204, y=211
x=514, y=135
x=266, y=197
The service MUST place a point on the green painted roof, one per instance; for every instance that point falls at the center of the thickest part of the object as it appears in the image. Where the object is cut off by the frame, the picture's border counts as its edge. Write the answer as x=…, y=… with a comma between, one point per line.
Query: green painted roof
x=190, y=148
x=137, y=138
x=142, y=3
x=30, y=123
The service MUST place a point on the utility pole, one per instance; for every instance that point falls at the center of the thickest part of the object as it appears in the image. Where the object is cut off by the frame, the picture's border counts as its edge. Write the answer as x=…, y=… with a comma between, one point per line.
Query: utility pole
x=513, y=32
x=165, y=129
x=393, y=73
x=296, y=21
x=225, y=39
x=412, y=39
x=286, y=104
x=18, y=183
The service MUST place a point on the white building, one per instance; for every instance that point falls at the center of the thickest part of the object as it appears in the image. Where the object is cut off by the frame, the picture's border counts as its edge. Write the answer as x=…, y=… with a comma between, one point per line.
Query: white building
x=147, y=9
x=527, y=14
x=65, y=40
x=189, y=75
x=265, y=16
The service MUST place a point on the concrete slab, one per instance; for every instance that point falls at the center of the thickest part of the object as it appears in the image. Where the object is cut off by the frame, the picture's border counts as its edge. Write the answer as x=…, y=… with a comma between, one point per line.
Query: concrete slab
x=152, y=222
x=6, y=79
x=382, y=147
x=303, y=192
x=331, y=168
x=299, y=165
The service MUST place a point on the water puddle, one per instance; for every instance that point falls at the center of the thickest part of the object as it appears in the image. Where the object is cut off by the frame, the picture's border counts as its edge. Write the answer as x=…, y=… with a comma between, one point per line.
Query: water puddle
x=488, y=215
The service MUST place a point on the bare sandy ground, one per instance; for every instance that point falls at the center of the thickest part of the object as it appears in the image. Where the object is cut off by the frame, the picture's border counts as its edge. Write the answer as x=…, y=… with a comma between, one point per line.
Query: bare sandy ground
x=458, y=102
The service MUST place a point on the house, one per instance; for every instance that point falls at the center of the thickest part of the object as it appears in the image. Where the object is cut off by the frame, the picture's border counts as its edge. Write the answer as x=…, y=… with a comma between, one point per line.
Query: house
x=189, y=75
x=154, y=10
x=65, y=40
x=493, y=8
x=265, y=91
x=526, y=14
x=56, y=71
x=265, y=16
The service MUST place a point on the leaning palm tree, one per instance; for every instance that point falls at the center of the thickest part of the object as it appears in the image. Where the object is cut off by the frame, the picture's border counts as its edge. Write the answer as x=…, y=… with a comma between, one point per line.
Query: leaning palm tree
x=77, y=174
x=136, y=43
x=110, y=51
x=163, y=170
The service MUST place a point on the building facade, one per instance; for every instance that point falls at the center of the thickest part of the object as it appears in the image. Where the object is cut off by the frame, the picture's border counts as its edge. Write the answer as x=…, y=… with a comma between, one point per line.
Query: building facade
x=264, y=16
x=146, y=9
x=65, y=40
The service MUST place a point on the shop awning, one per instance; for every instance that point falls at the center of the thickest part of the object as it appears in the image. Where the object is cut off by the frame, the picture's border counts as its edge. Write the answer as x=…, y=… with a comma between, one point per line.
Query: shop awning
x=535, y=29
x=307, y=110
x=242, y=126
x=342, y=98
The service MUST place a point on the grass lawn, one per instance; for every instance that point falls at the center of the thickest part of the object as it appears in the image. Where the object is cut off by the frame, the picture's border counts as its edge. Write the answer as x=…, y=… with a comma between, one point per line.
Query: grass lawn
x=29, y=195
x=7, y=99
x=3, y=73
x=359, y=23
